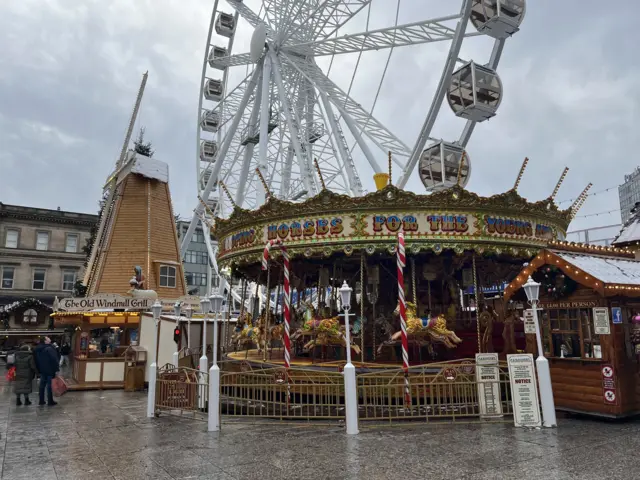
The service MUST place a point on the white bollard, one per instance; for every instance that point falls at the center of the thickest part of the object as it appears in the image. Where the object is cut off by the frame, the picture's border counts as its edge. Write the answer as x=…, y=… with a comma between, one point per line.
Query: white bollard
x=214, y=399
x=176, y=358
x=151, y=395
x=351, y=398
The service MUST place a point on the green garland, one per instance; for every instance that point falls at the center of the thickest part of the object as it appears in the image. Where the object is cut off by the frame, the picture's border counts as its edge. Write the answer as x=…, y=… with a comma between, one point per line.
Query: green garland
x=25, y=304
x=555, y=284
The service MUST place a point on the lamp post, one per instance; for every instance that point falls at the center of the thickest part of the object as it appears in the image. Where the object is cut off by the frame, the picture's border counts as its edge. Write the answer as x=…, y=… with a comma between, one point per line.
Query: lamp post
x=532, y=289
x=205, y=304
x=350, y=390
x=176, y=312
x=213, y=419
x=189, y=315
x=156, y=309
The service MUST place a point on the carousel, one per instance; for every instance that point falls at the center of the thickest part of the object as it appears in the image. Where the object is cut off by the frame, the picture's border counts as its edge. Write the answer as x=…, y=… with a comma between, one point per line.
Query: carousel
x=428, y=273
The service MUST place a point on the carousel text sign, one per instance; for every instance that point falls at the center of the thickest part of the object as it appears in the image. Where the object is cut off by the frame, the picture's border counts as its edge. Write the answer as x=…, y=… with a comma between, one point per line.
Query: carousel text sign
x=106, y=301
x=524, y=390
x=488, y=380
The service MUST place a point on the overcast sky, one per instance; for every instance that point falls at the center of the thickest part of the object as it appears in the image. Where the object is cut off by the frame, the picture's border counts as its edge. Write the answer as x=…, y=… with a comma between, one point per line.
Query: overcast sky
x=70, y=69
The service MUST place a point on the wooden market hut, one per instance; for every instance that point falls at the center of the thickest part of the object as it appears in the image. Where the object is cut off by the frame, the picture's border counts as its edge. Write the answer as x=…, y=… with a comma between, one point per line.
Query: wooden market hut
x=139, y=231
x=589, y=297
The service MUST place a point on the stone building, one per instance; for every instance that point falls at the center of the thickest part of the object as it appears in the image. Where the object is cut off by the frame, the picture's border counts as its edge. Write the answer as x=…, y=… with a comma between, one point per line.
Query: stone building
x=41, y=254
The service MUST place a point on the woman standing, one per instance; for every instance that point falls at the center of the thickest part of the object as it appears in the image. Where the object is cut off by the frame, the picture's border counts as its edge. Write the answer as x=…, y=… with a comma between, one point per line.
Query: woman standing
x=25, y=373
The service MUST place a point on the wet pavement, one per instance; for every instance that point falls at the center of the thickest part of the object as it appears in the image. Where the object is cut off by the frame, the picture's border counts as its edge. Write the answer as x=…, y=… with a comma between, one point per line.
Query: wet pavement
x=106, y=435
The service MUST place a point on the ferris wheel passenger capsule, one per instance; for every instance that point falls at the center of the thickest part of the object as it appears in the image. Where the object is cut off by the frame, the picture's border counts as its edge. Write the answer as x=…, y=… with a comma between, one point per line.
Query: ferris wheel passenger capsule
x=475, y=92
x=215, y=55
x=208, y=150
x=210, y=121
x=225, y=25
x=497, y=18
x=440, y=166
x=213, y=90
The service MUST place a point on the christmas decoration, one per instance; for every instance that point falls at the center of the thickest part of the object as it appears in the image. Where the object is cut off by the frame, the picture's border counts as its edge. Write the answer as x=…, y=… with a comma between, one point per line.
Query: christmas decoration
x=555, y=284
x=25, y=304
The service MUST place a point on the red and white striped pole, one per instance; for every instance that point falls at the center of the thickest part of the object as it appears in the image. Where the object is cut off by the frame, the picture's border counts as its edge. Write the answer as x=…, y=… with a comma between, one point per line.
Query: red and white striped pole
x=402, y=262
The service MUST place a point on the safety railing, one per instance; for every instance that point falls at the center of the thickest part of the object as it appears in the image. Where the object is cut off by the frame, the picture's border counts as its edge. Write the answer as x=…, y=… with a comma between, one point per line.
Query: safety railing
x=437, y=391
x=182, y=390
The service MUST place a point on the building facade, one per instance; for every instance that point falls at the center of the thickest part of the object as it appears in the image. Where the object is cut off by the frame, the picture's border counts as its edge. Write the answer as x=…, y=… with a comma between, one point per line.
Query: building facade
x=196, y=261
x=629, y=193
x=41, y=253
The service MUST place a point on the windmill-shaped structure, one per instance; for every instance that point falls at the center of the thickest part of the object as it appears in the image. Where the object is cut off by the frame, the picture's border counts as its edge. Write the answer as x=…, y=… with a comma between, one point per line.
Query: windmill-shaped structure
x=136, y=233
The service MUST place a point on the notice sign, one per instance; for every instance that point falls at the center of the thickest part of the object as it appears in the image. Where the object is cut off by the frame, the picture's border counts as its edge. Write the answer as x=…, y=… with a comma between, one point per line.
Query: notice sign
x=601, y=321
x=529, y=324
x=488, y=381
x=524, y=390
x=609, y=393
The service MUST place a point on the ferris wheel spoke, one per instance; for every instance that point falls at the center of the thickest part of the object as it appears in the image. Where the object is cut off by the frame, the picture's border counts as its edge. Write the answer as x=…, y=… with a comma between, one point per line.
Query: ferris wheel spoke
x=370, y=126
x=250, y=16
x=229, y=104
x=232, y=61
x=427, y=31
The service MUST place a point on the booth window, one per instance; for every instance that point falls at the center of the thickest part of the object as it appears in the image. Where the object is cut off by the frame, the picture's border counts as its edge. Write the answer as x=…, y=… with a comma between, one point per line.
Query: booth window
x=68, y=280
x=167, y=276
x=30, y=316
x=7, y=277
x=568, y=333
x=39, y=276
x=11, y=239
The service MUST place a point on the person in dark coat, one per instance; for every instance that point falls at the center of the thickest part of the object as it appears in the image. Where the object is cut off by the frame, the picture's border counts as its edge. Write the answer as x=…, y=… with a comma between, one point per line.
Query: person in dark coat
x=47, y=363
x=25, y=373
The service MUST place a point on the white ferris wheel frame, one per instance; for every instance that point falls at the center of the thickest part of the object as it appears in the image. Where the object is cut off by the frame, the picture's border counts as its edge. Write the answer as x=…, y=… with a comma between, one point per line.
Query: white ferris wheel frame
x=330, y=97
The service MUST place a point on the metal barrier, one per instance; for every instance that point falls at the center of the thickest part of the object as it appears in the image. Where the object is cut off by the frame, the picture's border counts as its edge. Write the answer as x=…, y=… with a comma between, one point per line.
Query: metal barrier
x=438, y=391
x=182, y=390
x=304, y=394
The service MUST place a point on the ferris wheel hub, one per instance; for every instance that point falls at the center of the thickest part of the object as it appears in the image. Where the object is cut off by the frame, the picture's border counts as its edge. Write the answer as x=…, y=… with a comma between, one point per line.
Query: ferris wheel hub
x=258, y=40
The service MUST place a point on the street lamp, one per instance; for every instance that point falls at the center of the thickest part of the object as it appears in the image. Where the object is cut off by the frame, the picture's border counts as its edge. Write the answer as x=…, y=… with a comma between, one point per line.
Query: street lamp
x=350, y=390
x=177, y=307
x=156, y=310
x=205, y=305
x=532, y=289
x=213, y=419
x=189, y=315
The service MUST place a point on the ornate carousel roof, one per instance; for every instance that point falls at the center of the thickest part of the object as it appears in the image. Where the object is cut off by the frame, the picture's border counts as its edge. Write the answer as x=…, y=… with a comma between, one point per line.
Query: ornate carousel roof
x=454, y=219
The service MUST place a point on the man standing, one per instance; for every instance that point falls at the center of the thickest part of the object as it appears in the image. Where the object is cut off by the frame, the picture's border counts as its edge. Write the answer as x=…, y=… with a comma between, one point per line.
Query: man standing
x=47, y=364
x=64, y=354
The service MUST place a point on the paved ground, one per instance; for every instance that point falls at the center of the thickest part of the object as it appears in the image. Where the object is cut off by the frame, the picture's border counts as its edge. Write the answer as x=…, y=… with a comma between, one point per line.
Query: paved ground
x=105, y=435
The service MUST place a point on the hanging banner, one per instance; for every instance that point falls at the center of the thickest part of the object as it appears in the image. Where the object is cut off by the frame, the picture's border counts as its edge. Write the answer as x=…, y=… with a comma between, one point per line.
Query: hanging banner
x=601, y=321
x=488, y=381
x=524, y=390
x=529, y=323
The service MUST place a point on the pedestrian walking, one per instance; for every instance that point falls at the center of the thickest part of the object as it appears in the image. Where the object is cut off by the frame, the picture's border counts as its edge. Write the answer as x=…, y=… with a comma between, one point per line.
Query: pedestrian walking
x=25, y=373
x=65, y=351
x=48, y=366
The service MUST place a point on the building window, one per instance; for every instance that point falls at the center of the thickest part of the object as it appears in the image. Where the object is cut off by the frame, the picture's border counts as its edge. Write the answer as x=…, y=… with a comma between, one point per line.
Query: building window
x=68, y=280
x=167, y=276
x=196, y=279
x=11, y=239
x=71, y=245
x=7, y=277
x=42, y=242
x=30, y=316
x=193, y=256
x=569, y=333
x=39, y=276
x=198, y=237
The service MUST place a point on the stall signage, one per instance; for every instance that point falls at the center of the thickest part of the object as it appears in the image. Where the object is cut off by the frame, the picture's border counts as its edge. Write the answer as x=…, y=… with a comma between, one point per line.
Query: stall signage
x=305, y=228
x=488, y=381
x=579, y=304
x=529, y=323
x=609, y=392
x=616, y=315
x=524, y=390
x=601, y=321
x=104, y=301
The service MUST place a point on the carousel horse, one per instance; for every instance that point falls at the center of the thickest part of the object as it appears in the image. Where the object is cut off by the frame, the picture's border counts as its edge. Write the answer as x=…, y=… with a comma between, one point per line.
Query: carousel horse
x=245, y=333
x=327, y=331
x=486, y=320
x=433, y=329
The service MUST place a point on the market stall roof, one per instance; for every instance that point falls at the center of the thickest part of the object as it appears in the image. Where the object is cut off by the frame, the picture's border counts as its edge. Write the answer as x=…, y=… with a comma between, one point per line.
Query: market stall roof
x=630, y=233
x=609, y=271
x=95, y=317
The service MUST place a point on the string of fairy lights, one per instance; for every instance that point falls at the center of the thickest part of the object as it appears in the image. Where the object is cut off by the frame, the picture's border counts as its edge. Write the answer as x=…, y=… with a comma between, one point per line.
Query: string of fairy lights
x=593, y=194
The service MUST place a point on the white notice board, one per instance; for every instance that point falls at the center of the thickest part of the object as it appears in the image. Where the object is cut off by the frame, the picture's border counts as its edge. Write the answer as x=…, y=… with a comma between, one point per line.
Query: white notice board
x=601, y=321
x=524, y=390
x=488, y=381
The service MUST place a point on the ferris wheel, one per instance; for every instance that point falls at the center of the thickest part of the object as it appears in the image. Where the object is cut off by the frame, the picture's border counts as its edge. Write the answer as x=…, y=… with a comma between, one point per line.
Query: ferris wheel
x=270, y=116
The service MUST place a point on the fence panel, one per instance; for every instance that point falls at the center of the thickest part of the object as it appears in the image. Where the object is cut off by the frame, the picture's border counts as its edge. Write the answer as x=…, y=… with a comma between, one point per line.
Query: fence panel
x=182, y=390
